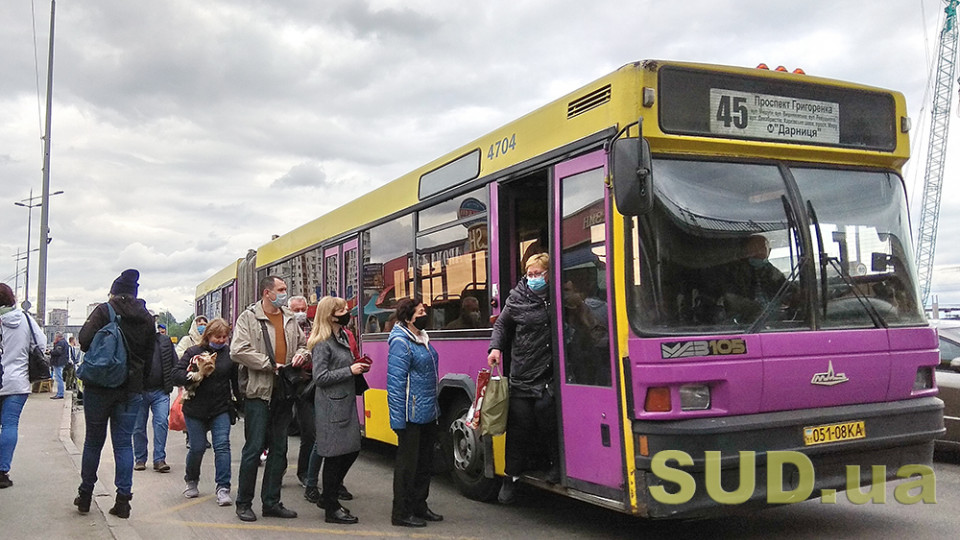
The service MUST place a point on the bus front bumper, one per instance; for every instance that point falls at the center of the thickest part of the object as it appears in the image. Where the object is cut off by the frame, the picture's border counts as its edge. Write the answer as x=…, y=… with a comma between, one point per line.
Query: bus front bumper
x=896, y=434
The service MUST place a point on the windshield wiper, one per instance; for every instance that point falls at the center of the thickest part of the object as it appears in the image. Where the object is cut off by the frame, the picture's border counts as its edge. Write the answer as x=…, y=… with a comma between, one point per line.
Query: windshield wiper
x=774, y=303
x=875, y=317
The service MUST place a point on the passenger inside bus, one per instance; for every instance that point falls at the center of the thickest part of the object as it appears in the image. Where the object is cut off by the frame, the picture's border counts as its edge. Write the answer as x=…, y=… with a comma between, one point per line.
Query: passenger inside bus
x=469, y=315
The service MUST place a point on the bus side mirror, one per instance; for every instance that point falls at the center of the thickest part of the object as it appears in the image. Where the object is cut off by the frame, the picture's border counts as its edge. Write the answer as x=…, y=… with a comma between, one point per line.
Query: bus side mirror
x=632, y=176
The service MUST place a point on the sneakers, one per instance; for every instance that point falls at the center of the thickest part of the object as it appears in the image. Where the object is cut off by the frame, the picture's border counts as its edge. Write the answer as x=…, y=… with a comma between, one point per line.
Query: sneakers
x=5, y=480
x=191, y=491
x=312, y=494
x=223, y=496
x=507, y=493
x=160, y=466
x=140, y=466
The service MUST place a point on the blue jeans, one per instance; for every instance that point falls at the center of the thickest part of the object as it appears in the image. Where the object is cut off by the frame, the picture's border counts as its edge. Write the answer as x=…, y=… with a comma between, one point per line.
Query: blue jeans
x=157, y=402
x=10, y=408
x=120, y=409
x=58, y=377
x=219, y=428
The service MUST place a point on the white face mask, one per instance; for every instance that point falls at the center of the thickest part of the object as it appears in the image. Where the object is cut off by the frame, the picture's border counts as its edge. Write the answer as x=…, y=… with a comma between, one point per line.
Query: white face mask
x=301, y=316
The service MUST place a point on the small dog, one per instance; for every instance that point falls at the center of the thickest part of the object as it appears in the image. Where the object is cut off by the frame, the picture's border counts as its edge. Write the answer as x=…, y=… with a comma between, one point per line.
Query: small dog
x=200, y=366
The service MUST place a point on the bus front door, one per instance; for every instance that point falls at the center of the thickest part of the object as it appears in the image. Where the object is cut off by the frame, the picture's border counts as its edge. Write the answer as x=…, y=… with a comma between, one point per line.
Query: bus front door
x=591, y=431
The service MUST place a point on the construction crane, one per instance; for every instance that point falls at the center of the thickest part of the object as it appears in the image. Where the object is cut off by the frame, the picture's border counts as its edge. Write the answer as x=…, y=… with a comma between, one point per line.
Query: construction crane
x=936, y=154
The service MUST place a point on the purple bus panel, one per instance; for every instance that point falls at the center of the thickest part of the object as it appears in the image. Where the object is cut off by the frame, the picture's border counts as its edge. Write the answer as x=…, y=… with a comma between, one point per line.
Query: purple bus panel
x=783, y=371
x=456, y=356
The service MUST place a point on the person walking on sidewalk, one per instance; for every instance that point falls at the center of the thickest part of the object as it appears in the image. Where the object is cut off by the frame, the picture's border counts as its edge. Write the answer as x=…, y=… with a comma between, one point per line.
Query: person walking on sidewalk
x=157, y=385
x=210, y=407
x=59, y=356
x=15, y=341
x=265, y=339
x=116, y=406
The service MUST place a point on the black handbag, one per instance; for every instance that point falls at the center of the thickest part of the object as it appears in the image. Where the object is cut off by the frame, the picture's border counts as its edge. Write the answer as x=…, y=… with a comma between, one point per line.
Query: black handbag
x=290, y=381
x=38, y=367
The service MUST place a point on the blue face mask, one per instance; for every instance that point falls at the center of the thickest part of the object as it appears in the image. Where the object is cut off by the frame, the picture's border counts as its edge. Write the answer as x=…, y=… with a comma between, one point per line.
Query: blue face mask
x=755, y=262
x=280, y=300
x=217, y=346
x=201, y=328
x=537, y=283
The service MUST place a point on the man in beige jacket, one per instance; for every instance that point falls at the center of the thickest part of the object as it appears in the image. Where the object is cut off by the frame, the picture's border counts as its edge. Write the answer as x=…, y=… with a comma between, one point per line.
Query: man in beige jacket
x=266, y=415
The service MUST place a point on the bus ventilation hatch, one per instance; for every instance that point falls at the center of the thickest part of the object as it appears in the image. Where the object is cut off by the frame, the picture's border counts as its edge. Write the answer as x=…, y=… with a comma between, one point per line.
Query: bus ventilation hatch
x=590, y=101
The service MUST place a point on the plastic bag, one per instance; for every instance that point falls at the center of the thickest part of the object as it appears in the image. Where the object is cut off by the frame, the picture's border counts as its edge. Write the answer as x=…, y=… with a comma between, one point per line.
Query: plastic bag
x=177, y=423
x=496, y=401
x=473, y=415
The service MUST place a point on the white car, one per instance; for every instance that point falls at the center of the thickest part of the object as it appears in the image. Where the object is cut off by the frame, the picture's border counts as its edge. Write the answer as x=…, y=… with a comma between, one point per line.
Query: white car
x=948, y=380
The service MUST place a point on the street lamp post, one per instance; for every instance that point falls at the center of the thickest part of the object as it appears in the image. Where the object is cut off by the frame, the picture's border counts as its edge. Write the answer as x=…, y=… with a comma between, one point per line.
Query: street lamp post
x=29, y=204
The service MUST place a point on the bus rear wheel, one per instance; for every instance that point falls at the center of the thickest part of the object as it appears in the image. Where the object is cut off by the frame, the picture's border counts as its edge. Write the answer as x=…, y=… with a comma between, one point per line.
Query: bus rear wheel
x=468, y=457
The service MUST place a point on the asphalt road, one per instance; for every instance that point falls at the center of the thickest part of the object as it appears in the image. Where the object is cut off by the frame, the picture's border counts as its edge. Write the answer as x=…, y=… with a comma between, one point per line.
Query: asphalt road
x=161, y=512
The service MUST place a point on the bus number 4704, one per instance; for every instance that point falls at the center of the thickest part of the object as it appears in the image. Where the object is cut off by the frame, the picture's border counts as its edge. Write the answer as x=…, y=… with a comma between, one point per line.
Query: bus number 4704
x=736, y=113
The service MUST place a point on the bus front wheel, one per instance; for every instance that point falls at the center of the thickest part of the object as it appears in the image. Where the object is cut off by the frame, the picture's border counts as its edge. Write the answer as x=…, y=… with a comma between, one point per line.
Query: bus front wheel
x=468, y=457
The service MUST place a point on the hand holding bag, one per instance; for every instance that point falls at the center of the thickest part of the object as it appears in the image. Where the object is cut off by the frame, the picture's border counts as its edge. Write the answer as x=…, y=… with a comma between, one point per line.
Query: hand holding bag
x=496, y=401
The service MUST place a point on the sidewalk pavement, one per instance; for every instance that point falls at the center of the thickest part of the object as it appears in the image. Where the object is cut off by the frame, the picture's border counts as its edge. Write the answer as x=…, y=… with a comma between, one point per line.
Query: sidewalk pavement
x=45, y=479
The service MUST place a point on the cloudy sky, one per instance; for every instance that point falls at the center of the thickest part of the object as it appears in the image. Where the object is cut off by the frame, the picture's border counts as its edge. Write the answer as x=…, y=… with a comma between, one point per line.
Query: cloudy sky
x=185, y=133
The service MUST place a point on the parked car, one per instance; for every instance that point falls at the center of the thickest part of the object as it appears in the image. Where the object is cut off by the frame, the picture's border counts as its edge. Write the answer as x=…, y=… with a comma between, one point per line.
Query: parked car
x=948, y=380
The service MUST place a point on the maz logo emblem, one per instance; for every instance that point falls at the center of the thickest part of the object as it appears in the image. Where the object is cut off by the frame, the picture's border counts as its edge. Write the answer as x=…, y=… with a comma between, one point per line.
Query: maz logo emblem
x=829, y=378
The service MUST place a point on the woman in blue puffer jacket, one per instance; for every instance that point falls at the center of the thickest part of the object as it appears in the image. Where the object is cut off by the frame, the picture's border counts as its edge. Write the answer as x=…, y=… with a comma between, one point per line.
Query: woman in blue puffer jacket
x=412, y=381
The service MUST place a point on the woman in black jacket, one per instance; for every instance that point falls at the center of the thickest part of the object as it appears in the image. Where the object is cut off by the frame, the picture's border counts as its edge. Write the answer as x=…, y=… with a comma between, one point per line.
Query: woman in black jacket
x=209, y=408
x=523, y=328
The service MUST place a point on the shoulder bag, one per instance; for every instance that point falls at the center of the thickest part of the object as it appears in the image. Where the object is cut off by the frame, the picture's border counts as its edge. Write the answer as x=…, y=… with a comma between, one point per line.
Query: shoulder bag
x=38, y=368
x=290, y=381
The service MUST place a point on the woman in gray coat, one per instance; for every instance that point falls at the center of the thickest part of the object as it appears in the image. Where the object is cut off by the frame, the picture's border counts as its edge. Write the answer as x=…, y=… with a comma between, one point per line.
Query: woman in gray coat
x=338, y=426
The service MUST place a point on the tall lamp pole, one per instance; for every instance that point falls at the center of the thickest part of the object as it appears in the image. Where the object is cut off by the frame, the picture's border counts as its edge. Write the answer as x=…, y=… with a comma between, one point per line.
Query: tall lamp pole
x=29, y=204
x=44, y=209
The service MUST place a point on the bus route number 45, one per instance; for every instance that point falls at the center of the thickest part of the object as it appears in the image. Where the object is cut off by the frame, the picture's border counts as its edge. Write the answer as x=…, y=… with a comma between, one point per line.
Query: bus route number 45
x=503, y=146
x=732, y=109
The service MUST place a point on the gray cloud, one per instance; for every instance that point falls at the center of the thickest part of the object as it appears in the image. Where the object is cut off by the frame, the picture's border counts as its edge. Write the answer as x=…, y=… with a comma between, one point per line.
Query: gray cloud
x=177, y=127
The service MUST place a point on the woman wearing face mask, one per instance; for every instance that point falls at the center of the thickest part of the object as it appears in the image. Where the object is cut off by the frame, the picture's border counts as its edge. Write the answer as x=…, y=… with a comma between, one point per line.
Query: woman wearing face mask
x=412, y=380
x=197, y=327
x=524, y=327
x=209, y=408
x=338, y=426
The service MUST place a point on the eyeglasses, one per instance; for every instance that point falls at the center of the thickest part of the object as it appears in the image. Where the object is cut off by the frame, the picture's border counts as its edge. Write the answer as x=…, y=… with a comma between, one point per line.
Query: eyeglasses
x=536, y=274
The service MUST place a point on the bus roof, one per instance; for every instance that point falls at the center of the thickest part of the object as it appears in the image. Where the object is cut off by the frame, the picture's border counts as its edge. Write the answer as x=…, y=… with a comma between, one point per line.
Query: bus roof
x=218, y=280
x=612, y=101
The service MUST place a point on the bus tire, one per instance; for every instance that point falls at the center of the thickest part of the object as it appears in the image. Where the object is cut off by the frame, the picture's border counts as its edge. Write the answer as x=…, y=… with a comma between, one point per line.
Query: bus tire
x=467, y=452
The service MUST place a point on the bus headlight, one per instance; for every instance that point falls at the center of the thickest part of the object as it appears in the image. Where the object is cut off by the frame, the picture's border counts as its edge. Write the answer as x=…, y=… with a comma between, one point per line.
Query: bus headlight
x=924, y=379
x=694, y=397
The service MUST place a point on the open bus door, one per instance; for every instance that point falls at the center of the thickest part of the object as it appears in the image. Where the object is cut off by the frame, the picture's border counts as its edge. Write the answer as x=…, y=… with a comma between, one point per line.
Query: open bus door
x=590, y=420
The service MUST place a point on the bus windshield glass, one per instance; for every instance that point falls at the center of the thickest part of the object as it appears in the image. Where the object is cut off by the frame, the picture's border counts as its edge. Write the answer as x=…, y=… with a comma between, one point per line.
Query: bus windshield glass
x=722, y=250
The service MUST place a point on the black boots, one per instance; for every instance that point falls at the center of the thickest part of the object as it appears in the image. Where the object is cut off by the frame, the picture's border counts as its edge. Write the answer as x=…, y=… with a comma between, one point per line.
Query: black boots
x=82, y=502
x=121, y=508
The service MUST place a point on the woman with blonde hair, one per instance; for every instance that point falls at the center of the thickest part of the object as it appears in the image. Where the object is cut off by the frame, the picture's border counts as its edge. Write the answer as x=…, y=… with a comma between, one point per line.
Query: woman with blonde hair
x=523, y=328
x=338, y=426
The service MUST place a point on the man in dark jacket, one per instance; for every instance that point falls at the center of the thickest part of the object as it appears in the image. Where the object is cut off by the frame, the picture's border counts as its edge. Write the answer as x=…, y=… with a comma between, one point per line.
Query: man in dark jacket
x=157, y=385
x=119, y=406
x=59, y=356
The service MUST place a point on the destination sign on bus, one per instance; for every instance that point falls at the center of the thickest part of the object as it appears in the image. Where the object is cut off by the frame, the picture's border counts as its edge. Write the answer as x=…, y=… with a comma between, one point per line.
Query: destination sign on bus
x=766, y=116
x=771, y=108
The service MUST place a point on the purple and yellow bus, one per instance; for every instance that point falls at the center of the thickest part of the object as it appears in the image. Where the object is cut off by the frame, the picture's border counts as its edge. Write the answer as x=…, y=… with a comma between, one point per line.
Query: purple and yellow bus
x=732, y=273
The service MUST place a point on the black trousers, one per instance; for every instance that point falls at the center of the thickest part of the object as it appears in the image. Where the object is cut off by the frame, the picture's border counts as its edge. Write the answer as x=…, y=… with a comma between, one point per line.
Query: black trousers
x=530, y=421
x=335, y=469
x=308, y=435
x=411, y=473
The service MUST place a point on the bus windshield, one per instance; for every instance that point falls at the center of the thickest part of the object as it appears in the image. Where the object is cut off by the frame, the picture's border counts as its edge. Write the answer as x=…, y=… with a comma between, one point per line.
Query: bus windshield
x=722, y=250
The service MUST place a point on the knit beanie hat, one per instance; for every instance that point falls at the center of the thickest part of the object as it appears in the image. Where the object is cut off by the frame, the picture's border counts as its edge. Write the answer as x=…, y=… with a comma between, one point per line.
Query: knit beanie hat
x=126, y=283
